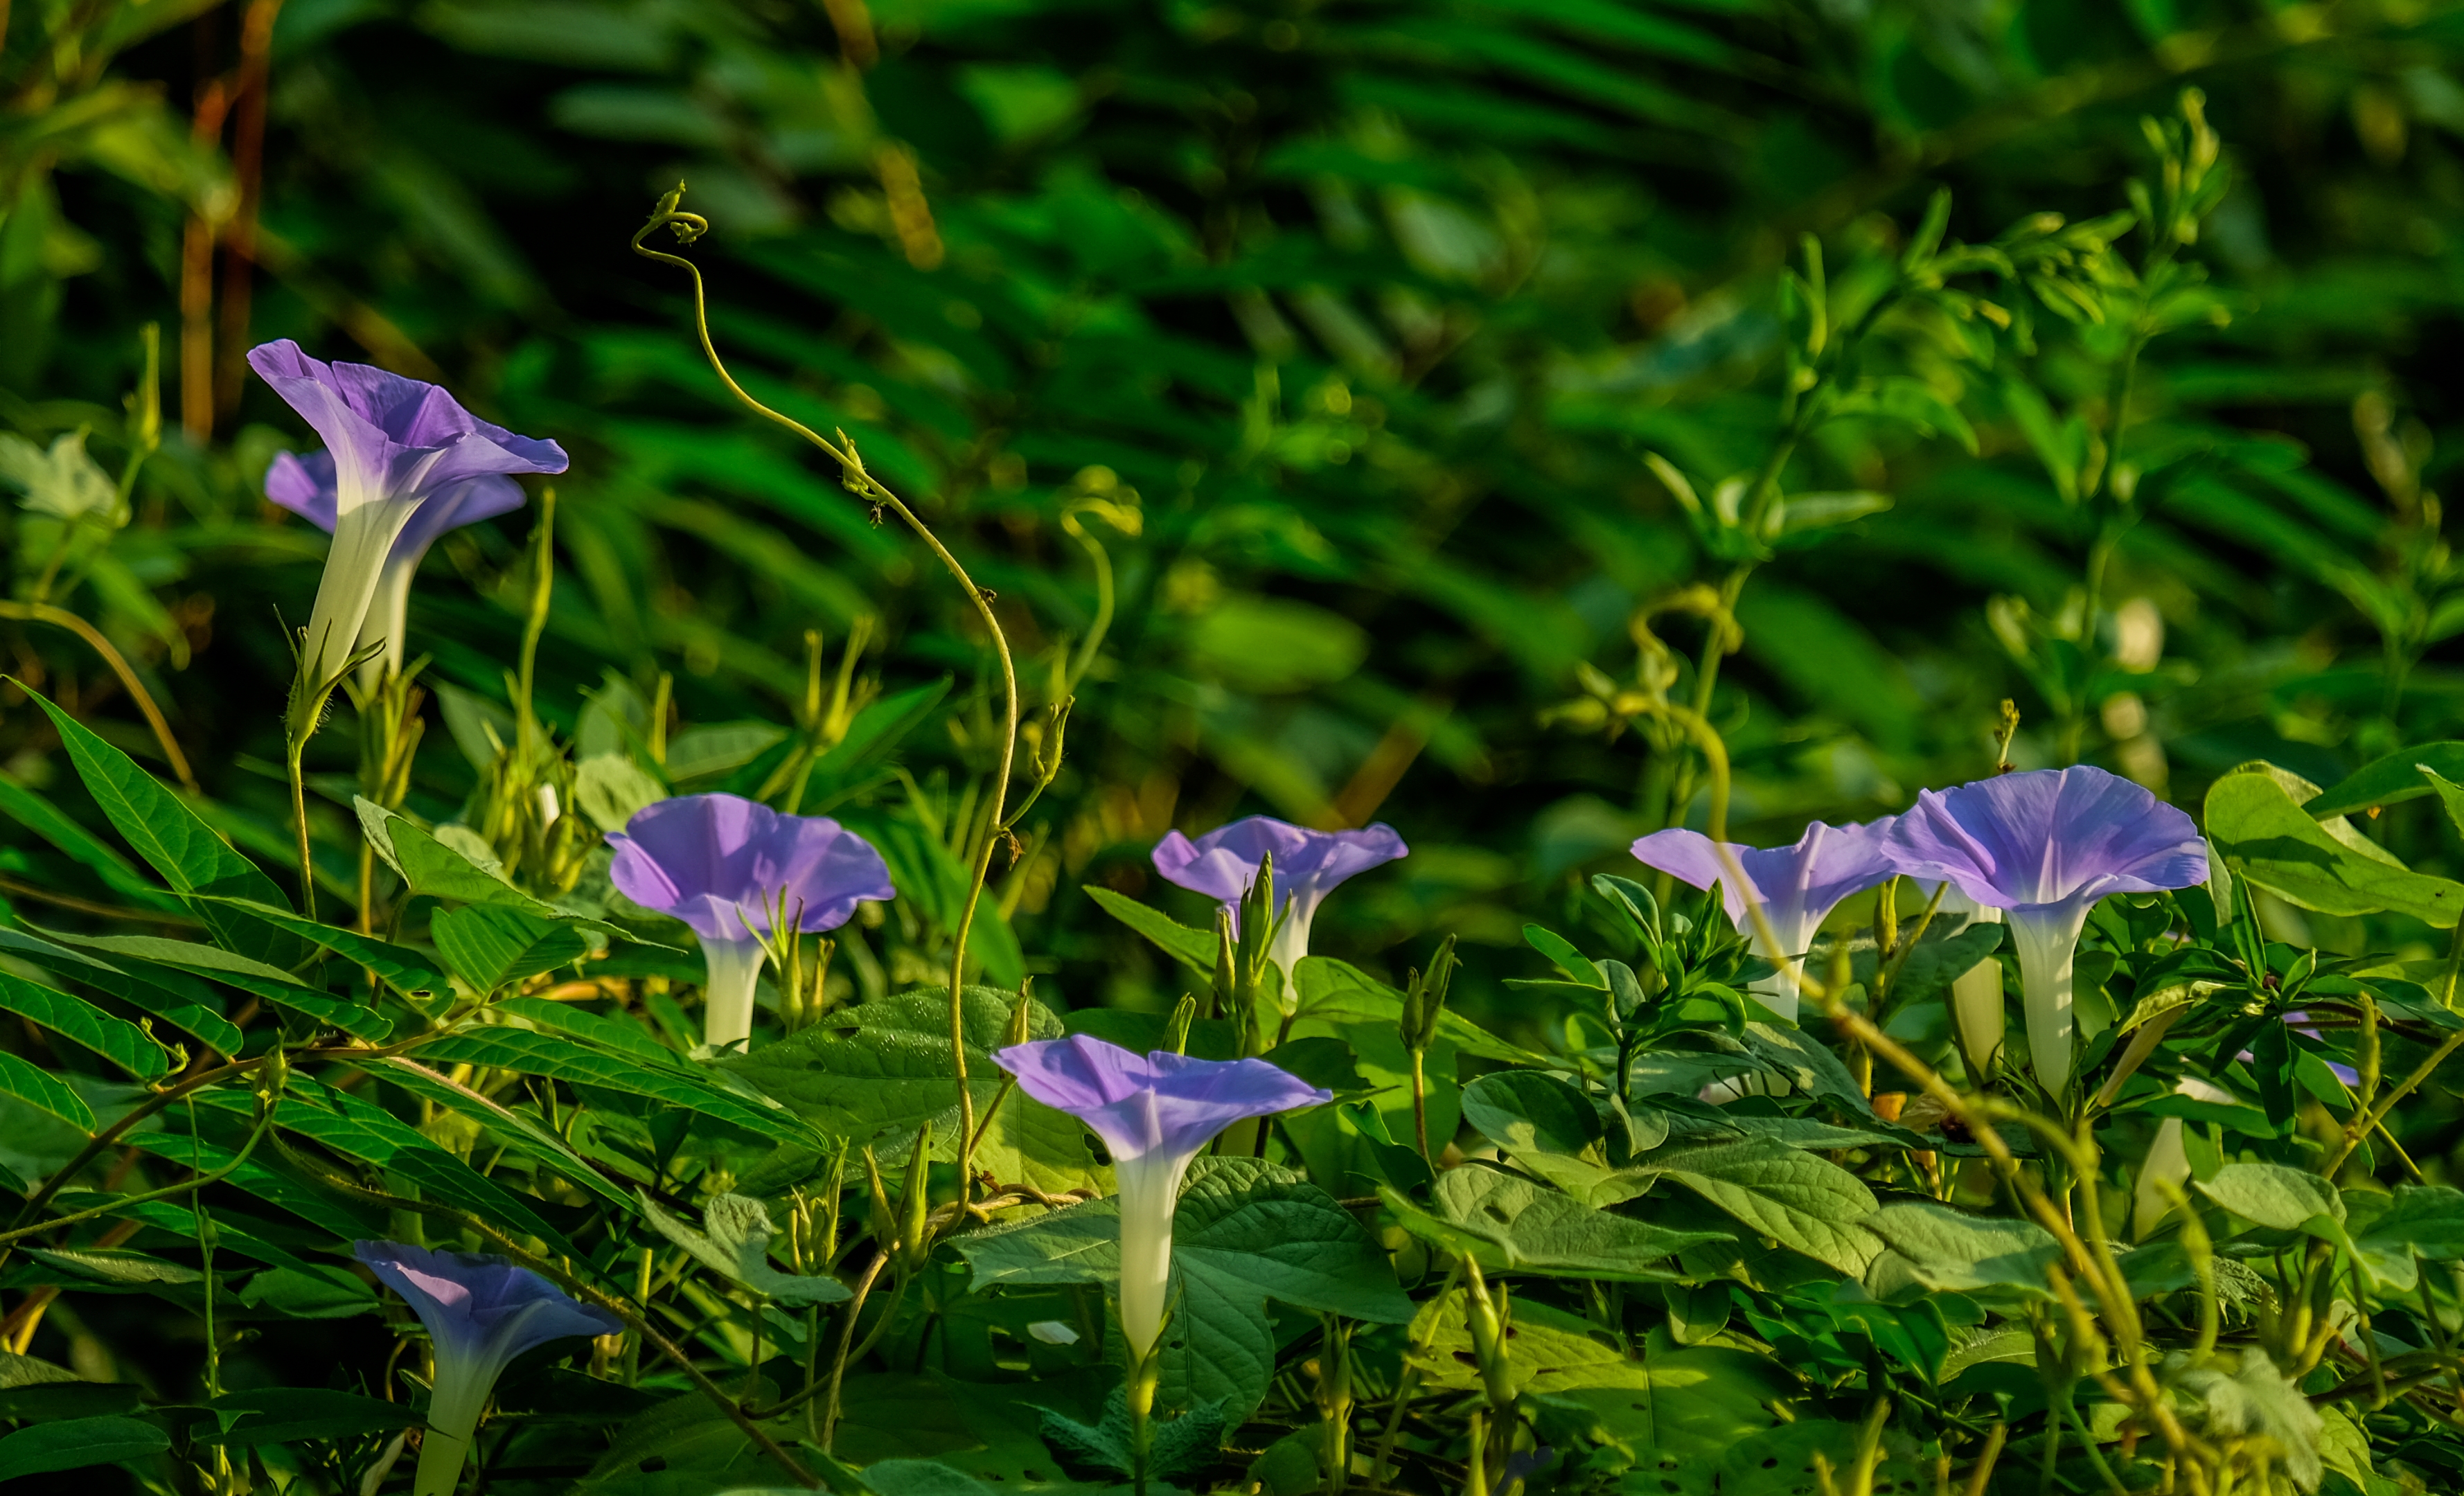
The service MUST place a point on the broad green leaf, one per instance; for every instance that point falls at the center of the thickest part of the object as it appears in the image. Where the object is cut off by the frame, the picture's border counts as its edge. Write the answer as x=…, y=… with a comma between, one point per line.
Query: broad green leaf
x=628, y=1039
x=735, y=1242
x=113, y=1265
x=1798, y=1199
x=560, y=1058
x=1950, y=1251
x=1807, y=1065
x=522, y=1134
x=1528, y=1111
x=2389, y=780
x=1551, y=1350
x=174, y=842
x=123, y=1043
x=879, y=1070
x=294, y=1415
x=1196, y=948
x=491, y=946
x=1246, y=1231
x=39, y=1087
x=2273, y=1196
x=2263, y=835
x=428, y=867
x=933, y=882
x=361, y=1129
x=1674, y=1413
x=1561, y=952
x=1338, y=992
x=75, y=1443
x=2388, y=1232
x=1512, y=1224
x=877, y=730
x=174, y=997
x=44, y=819
x=399, y=967
x=231, y=969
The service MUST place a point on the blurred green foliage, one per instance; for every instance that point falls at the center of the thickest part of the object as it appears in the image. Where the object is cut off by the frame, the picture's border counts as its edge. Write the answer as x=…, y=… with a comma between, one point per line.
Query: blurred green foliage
x=1366, y=346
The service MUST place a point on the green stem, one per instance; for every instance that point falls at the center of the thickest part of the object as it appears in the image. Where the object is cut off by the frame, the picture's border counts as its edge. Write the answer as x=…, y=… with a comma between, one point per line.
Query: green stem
x=2364, y=1121
x=689, y=227
x=62, y=618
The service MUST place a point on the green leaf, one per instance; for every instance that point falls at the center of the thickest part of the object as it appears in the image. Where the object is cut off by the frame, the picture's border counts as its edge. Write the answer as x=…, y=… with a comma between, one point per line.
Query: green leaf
x=75, y=1443
x=735, y=1244
x=560, y=1058
x=123, y=1043
x=38, y=1088
x=879, y=1070
x=1246, y=1231
x=1950, y=1251
x=521, y=1134
x=1798, y=1199
x=149, y=989
x=2275, y=1196
x=1809, y=1066
x=1338, y=992
x=1196, y=948
x=1549, y=1351
x=1677, y=1410
x=933, y=882
x=2389, y=780
x=361, y=1129
x=1562, y=953
x=1178, y=1447
x=2262, y=834
x=491, y=946
x=292, y=1414
x=174, y=842
x=428, y=867
x=399, y=967
x=1526, y=1112
x=45, y=820
x=1512, y=1224
x=232, y=969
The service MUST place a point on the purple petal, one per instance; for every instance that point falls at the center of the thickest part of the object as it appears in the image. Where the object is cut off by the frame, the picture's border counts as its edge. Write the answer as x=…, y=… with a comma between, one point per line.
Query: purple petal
x=2048, y=837
x=718, y=862
x=479, y=1305
x=393, y=437
x=1798, y=886
x=304, y=486
x=1152, y=1102
x=1224, y=862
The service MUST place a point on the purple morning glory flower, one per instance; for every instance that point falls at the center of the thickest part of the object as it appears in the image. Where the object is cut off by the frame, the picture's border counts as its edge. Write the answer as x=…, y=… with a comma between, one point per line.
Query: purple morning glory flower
x=306, y=487
x=1154, y=1112
x=1223, y=863
x=481, y=1312
x=1798, y=887
x=723, y=864
x=2045, y=846
x=398, y=446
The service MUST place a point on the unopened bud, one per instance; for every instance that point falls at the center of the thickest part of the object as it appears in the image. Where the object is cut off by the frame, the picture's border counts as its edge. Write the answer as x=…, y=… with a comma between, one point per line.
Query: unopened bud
x=1425, y=1001
x=1020, y=1013
x=1176, y=1034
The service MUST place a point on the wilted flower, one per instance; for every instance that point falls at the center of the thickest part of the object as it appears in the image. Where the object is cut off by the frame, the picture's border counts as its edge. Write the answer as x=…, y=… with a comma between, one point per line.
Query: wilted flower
x=1154, y=1112
x=2045, y=846
x=481, y=1312
x=1223, y=863
x=398, y=445
x=1798, y=887
x=306, y=487
x=727, y=866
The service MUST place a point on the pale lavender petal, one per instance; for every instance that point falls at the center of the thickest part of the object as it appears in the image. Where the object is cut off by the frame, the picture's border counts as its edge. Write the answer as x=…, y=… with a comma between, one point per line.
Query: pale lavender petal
x=1152, y=1102
x=1798, y=886
x=304, y=486
x=2048, y=837
x=1309, y=865
x=721, y=862
x=467, y=503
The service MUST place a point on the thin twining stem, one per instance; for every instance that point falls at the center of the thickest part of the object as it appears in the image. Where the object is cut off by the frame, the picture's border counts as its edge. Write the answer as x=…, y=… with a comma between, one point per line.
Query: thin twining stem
x=689, y=227
x=46, y=613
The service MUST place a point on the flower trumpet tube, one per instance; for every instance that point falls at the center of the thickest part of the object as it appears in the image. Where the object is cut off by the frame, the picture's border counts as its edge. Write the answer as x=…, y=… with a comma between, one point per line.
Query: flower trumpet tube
x=1154, y=1112
x=2043, y=847
x=481, y=1313
x=308, y=488
x=1308, y=865
x=1798, y=887
x=728, y=867
x=398, y=446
